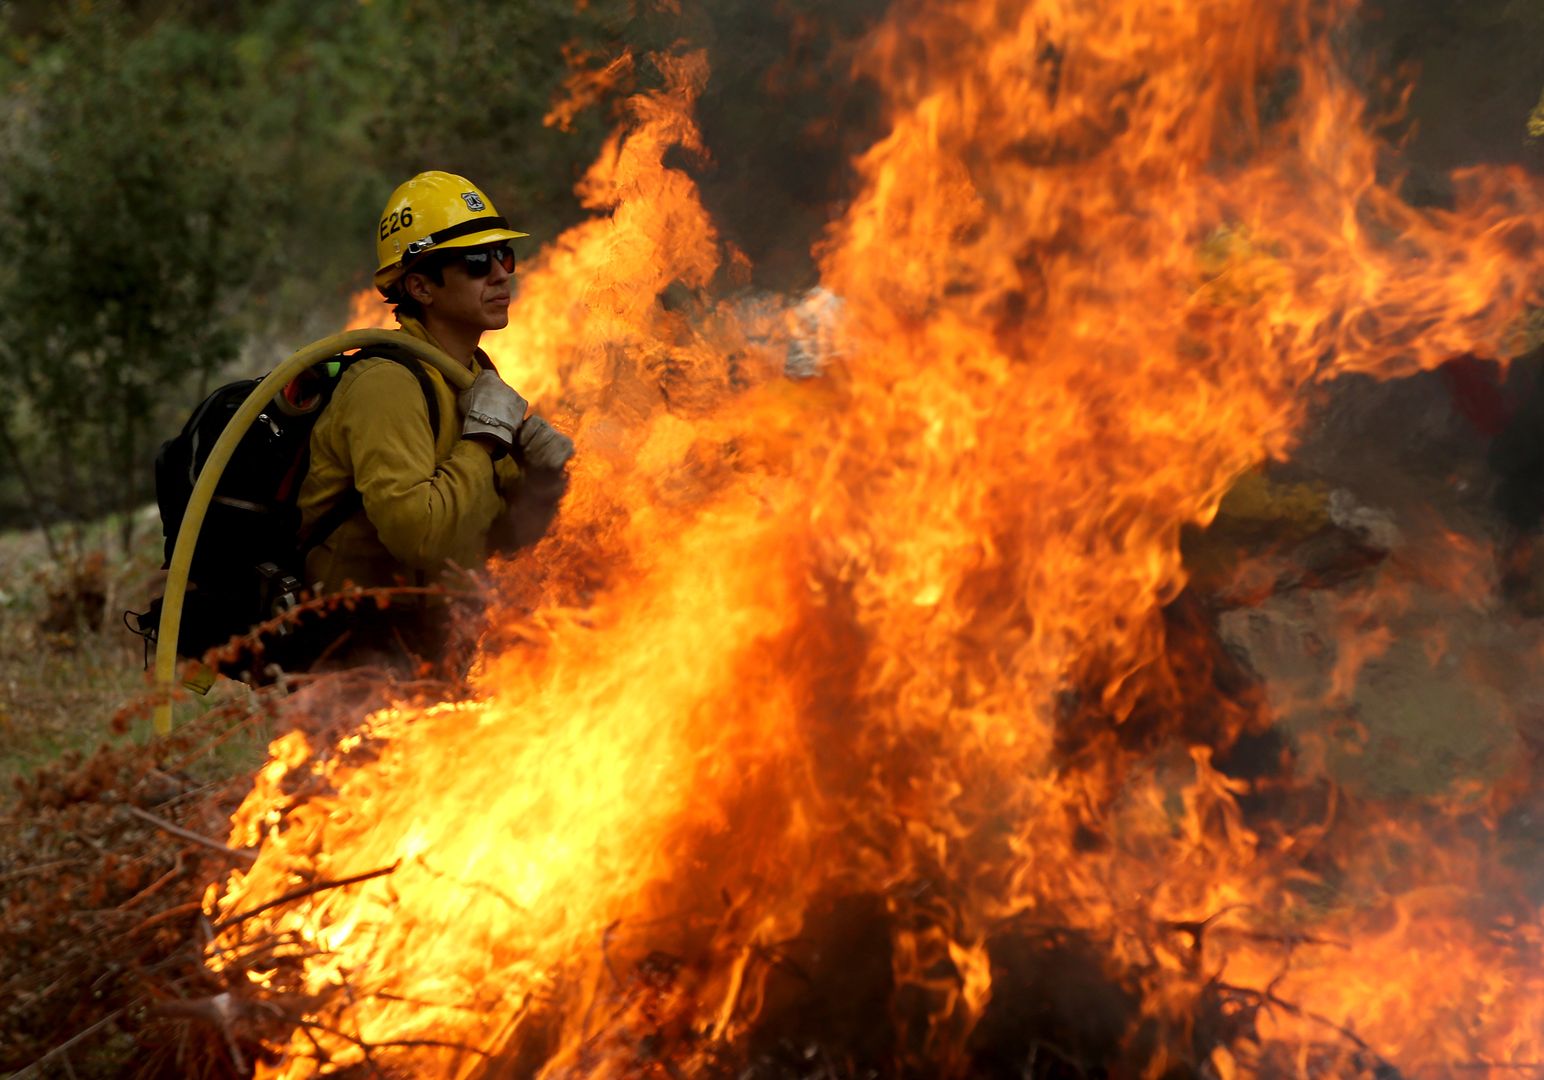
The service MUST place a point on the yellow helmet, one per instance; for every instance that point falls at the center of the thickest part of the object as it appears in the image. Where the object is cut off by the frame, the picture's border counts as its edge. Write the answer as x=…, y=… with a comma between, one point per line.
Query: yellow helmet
x=434, y=211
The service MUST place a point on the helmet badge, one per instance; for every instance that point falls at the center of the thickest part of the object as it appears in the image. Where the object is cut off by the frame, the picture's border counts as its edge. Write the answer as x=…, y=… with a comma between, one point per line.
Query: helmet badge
x=473, y=201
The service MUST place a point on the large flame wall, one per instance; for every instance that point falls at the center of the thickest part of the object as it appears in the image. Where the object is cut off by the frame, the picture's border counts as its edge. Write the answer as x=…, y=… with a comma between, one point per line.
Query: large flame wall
x=886, y=632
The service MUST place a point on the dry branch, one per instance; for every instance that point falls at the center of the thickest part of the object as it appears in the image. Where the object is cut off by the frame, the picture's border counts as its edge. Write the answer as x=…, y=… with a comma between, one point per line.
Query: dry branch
x=40, y=868
x=308, y=890
x=35, y=1069
x=1269, y=997
x=160, y=917
x=193, y=837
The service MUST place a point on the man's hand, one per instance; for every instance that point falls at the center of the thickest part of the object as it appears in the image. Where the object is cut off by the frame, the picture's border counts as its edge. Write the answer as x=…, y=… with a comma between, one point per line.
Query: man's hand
x=544, y=447
x=531, y=508
x=492, y=413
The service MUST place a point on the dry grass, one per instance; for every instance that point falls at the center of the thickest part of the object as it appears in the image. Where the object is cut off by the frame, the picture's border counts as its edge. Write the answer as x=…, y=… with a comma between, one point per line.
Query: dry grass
x=98, y=913
x=71, y=673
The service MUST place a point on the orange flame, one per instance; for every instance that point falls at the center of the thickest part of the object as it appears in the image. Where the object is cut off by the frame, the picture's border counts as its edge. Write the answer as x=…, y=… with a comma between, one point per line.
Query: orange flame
x=897, y=631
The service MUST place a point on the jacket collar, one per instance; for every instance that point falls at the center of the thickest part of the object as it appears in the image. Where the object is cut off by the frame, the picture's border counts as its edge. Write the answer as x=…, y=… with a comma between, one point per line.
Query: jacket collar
x=409, y=325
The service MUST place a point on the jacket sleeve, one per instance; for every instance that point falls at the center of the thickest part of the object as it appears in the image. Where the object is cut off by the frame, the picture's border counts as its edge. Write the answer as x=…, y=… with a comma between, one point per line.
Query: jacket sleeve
x=426, y=511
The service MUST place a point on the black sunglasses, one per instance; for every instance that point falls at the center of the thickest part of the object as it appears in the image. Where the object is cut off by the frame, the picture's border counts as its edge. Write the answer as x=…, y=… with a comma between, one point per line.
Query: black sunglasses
x=478, y=263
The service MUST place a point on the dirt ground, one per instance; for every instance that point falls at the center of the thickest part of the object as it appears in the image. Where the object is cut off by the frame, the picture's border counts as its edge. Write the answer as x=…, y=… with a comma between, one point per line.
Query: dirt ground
x=66, y=662
x=97, y=889
x=68, y=665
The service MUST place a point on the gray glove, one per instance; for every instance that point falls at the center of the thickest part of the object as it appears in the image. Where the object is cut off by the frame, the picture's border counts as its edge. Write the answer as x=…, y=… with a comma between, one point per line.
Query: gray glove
x=543, y=446
x=492, y=411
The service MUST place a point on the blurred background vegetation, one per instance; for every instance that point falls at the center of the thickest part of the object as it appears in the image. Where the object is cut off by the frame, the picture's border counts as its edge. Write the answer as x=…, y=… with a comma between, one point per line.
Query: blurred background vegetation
x=187, y=185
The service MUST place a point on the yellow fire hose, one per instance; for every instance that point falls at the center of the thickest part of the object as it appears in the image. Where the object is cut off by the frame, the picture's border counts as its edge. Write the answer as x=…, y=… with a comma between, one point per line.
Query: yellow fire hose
x=459, y=376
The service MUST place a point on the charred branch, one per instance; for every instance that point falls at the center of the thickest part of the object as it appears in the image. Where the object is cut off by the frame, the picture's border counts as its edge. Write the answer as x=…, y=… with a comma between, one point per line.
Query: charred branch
x=301, y=893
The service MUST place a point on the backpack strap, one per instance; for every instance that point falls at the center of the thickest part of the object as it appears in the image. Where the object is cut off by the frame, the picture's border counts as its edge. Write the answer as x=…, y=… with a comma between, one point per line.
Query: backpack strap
x=352, y=501
x=399, y=355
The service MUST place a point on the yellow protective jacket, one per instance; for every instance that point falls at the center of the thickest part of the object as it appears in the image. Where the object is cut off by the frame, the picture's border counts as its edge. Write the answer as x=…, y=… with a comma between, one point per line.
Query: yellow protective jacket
x=428, y=502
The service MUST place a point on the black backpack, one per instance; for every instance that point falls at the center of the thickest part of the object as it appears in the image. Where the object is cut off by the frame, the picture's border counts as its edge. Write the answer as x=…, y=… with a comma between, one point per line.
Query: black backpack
x=248, y=564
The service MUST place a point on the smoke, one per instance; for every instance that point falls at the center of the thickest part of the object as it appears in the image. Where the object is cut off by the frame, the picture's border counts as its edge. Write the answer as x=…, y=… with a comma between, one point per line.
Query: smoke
x=783, y=117
x=786, y=110
x=1476, y=71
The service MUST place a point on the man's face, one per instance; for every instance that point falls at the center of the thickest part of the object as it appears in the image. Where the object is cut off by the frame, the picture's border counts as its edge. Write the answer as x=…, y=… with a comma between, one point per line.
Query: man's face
x=475, y=293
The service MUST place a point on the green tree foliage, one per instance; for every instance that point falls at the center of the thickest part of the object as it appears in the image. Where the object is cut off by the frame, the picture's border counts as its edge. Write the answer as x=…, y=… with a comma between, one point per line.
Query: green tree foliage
x=349, y=99
x=126, y=203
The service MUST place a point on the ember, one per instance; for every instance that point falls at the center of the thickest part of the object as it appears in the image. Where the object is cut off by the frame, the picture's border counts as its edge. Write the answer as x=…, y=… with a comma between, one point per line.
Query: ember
x=863, y=722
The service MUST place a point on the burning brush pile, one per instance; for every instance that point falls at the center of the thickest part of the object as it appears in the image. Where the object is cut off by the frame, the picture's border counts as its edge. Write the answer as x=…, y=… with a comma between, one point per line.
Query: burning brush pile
x=862, y=722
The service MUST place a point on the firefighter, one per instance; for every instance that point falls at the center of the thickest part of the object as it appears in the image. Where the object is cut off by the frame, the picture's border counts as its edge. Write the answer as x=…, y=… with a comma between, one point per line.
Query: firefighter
x=427, y=499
